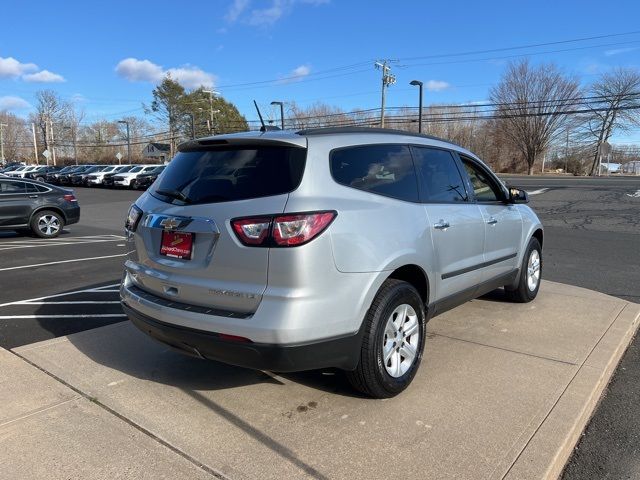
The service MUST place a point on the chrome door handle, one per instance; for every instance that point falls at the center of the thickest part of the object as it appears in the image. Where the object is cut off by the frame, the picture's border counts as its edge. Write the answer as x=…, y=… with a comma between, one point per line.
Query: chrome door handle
x=492, y=221
x=441, y=225
x=33, y=196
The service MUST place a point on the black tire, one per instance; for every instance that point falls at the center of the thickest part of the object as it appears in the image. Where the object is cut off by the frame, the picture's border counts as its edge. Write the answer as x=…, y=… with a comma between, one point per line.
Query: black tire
x=371, y=376
x=47, y=216
x=521, y=293
x=39, y=179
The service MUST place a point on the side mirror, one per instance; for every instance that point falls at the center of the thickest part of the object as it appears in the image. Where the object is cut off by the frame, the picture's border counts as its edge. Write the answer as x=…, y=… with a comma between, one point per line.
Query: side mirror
x=518, y=196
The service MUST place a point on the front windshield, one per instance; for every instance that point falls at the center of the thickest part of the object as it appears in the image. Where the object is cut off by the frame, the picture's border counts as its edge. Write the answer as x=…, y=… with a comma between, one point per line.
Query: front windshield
x=136, y=169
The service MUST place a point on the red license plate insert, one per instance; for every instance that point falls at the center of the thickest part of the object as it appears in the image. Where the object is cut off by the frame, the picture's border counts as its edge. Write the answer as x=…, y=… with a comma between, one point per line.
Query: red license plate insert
x=177, y=244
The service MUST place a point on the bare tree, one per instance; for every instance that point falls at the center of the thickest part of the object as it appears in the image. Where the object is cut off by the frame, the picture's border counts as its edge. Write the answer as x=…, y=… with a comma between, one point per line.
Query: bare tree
x=614, y=101
x=15, y=138
x=50, y=110
x=532, y=105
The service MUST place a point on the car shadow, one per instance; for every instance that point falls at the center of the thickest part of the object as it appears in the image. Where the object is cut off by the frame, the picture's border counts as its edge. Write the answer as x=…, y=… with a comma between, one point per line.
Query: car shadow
x=26, y=233
x=121, y=346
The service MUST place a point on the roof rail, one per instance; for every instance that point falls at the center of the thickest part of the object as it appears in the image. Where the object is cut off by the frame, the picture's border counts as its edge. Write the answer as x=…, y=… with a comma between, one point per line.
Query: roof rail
x=392, y=131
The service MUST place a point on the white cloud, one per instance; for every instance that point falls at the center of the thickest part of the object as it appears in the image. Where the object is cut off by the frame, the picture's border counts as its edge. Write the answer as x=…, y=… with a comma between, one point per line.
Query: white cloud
x=436, y=85
x=188, y=76
x=269, y=15
x=12, y=68
x=13, y=103
x=136, y=70
x=43, y=76
x=235, y=10
x=261, y=17
x=296, y=74
x=192, y=77
x=618, y=51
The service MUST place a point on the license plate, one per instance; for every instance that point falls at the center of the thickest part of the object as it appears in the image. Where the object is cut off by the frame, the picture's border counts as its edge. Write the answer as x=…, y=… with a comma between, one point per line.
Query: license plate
x=177, y=244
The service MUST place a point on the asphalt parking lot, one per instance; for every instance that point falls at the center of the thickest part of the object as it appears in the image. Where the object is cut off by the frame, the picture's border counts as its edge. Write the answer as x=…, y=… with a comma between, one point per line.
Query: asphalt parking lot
x=68, y=284
x=51, y=288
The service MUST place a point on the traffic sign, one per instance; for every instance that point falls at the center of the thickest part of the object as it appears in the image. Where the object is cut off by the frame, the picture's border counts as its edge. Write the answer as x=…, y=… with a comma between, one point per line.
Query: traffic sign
x=46, y=154
x=119, y=156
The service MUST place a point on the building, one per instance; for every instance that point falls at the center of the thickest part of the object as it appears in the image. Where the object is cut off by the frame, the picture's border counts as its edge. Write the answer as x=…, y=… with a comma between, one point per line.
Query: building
x=157, y=152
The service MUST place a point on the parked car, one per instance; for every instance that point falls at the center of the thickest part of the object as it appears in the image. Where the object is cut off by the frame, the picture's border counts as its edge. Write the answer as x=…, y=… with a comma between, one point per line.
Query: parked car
x=20, y=171
x=144, y=180
x=80, y=178
x=322, y=248
x=107, y=179
x=52, y=176
x=97, y=178
x=125, y=179
x=40, y=173
x=41, y=208
x=65, y=178
x=8, y=167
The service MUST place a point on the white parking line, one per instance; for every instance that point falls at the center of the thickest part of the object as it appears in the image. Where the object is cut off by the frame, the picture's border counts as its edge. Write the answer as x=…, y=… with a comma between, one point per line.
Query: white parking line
x=538, y=192
x=34, y=241
x=88, y=290
x=15, y=245
x=97, y=315
x=79, y=302
x=61, y=261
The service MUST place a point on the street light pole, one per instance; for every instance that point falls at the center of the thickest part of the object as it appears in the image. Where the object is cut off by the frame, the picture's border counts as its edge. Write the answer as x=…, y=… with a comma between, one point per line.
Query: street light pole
x=419, y=84
x=281, y=112
x=2, y=125
x=126, y=122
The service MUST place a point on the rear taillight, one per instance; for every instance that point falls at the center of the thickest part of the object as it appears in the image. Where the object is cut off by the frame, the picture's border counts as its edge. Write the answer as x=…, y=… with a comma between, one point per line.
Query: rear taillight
x=70, y=197
x=133, y=217
x=281, y=230
x=252, y=231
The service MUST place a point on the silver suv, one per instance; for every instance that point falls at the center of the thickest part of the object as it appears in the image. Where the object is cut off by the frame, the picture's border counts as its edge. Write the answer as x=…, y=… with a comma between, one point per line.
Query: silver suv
x=290, y=251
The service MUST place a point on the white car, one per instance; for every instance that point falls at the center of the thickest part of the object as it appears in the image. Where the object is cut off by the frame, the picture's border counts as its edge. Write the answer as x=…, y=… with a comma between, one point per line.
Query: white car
x=97, y=178
x=20, y=171
x=124, y=179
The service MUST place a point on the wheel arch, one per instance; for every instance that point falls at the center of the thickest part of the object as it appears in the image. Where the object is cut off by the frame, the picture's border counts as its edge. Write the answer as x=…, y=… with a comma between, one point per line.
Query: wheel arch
x=52, y=208
x=416, y=276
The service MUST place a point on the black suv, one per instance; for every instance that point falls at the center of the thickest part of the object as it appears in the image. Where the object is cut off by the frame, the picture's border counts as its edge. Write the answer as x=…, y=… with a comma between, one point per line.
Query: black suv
x=39, y=207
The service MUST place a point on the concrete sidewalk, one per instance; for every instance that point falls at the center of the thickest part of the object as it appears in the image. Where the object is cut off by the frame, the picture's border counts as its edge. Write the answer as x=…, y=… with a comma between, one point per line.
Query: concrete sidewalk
x=504, y=391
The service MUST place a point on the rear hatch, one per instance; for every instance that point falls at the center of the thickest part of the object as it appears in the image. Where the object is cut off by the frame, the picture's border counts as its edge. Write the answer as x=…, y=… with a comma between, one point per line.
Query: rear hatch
x=184, y=240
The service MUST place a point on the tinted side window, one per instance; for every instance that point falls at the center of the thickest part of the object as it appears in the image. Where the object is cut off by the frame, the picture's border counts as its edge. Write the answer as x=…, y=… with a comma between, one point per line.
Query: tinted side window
x=31, y=188
x=10, y=186
x=440, y=180
x=42, y=188
x=484, y=189
x=383, y=169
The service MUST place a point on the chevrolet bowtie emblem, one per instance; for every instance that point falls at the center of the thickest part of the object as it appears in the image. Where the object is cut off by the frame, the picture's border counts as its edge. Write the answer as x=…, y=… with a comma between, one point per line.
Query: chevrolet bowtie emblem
x=170, y=223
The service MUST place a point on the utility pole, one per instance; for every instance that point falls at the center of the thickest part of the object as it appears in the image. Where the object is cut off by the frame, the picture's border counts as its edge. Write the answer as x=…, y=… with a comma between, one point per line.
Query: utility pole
x=47, y=145
x=2, y=125
x=388, y=78
x=566, y=153
x=211, y=93
x=53, y=148
x=35, y=143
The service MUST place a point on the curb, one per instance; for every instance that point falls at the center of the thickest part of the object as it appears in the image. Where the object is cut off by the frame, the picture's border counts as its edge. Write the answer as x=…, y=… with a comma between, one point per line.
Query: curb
x=589, y=383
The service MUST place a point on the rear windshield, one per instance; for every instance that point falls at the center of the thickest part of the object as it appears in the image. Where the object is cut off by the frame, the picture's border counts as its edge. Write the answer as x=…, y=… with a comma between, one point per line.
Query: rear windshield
x=228, y=174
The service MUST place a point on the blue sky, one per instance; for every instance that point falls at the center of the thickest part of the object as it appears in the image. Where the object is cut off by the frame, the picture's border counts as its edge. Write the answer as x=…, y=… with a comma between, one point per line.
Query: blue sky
x=107, y=57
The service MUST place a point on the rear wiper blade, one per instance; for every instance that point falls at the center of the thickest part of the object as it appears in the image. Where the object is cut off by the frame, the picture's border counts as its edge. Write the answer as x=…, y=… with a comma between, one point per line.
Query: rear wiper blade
x=177, y=194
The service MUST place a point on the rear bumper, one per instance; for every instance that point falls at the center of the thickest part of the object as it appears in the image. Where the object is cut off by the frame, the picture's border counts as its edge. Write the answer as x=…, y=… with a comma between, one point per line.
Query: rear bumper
x=72, y=214
x=342, y=352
